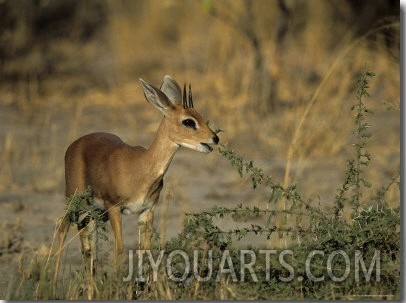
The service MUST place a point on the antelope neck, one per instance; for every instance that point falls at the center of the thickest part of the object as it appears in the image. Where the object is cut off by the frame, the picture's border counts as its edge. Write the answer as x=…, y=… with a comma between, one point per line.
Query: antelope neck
x=161, y=150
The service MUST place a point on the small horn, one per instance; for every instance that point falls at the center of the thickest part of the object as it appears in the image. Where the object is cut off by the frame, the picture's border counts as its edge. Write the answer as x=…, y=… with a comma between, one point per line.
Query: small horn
x=184, y=101
x=190, y=96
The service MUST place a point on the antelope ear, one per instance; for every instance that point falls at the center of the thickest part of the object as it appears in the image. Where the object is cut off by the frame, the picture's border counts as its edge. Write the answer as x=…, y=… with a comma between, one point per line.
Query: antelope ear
x=156, y=97
x=172, y=90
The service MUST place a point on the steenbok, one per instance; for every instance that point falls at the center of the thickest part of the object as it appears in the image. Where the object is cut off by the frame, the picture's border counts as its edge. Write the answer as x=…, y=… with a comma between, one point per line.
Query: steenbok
x=126, y=179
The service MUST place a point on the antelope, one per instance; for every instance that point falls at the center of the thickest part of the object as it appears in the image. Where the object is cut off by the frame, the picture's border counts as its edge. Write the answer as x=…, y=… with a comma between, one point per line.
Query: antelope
x=128, y=179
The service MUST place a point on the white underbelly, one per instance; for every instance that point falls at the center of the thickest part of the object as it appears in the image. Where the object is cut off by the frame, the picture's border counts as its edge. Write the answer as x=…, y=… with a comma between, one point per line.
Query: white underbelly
x=128, y=207
x=135, y=207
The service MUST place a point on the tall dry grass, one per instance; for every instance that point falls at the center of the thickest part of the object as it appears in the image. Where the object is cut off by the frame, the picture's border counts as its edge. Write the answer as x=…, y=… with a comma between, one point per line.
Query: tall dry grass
x=149, y=40
x=304, y=140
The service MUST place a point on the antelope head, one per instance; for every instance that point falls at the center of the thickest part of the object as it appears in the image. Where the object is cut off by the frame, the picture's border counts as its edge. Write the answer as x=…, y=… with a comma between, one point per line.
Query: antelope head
x=183, y=125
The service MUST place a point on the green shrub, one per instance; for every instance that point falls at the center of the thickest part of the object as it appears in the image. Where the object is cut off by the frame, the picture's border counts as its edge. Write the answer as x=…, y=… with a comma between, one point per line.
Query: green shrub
x=330, y=256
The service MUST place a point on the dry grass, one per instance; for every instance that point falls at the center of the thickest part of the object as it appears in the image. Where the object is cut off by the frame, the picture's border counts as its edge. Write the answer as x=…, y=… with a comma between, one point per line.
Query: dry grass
x=315, y=84
x=306, y=140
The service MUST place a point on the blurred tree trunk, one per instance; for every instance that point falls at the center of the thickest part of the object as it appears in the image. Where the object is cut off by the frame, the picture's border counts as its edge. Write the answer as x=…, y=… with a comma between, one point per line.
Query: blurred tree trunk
x=263, y=88
x=272, y=85
x=258, y=79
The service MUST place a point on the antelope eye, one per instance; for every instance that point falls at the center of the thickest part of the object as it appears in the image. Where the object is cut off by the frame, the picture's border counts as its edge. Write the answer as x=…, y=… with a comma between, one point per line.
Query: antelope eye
x=189, y=123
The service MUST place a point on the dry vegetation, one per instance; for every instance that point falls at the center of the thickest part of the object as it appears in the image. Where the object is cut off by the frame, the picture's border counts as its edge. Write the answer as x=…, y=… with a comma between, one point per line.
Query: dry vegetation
x=278, y=77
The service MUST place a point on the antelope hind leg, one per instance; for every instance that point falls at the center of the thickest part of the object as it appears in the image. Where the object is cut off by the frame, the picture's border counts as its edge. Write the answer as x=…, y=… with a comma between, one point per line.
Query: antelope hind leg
x=63, y=228
x=88, y=237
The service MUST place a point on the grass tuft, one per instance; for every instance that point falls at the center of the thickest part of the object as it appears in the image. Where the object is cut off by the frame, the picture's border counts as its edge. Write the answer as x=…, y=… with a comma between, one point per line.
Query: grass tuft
x=329, y=256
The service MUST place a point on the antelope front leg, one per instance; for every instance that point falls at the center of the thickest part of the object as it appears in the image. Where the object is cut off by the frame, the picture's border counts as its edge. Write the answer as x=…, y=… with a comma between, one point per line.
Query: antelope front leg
x=115, y=221
x=146, y=221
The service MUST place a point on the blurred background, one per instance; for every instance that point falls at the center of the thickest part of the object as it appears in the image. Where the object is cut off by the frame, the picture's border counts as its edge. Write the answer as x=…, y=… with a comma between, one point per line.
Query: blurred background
x=262, y=71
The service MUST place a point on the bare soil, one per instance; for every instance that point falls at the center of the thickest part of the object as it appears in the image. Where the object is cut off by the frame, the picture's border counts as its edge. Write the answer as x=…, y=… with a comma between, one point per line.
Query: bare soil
x=54, y=91
x=33, y=199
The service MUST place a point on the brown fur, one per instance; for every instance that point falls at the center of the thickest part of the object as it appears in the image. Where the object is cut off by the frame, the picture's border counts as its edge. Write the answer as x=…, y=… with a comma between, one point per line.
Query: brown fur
x=129, y=179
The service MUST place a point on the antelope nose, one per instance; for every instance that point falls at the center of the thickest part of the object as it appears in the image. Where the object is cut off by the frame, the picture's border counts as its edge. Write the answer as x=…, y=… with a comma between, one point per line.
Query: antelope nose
x=216, y=139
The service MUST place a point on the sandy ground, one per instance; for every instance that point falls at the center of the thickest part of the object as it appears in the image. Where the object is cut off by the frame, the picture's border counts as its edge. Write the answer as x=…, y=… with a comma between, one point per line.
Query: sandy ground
x=32, y=198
